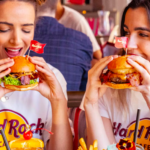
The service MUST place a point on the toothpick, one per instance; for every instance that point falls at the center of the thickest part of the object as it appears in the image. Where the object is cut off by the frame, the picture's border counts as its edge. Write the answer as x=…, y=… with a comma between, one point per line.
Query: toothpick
x=28, y=54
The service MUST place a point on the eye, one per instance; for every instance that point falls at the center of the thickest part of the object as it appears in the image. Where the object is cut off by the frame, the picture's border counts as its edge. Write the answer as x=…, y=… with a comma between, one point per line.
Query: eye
x=25, y=31
x=4, y=30
x=143, y=35
x=126, y=33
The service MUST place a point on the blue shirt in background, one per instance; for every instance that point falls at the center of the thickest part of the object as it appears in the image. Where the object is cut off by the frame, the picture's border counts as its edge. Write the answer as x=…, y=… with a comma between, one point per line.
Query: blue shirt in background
x=68, y=50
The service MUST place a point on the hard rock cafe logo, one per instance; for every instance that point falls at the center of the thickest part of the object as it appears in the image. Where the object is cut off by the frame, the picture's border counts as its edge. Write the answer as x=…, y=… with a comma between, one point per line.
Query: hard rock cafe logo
x=36, y=46
x=14, y=125
x=143, y=132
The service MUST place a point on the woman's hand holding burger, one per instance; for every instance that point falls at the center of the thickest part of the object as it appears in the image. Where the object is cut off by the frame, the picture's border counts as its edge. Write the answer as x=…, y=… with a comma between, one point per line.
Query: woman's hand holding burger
x=95, y=89
x=143, y=67
x=48, y=85
x=50, y=88
x=5, y=65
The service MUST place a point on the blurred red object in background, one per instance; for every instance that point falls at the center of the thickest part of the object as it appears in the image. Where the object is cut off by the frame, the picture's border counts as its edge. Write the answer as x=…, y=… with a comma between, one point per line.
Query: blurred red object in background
x=78, y=2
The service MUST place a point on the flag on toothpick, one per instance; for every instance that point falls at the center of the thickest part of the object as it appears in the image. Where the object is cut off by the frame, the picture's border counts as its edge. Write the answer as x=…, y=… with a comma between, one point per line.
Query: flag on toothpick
x=121, y=42
x=37, y=47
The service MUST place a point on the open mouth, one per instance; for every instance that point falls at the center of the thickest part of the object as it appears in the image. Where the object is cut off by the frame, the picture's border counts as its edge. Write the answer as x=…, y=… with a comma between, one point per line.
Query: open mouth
x=12, y=52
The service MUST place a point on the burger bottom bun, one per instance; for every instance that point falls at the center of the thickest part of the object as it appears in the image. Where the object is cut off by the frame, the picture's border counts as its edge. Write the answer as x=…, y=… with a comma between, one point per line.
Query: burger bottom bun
x=21, y=87
x=118, y=86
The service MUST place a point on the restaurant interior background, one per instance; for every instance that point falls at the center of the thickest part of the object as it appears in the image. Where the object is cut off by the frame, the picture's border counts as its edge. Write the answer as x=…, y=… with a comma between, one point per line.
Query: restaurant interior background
x=103, y=16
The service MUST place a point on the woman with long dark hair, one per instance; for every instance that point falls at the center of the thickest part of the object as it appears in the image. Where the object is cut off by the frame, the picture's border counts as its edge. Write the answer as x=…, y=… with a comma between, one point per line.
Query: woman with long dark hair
x=111, y=113
x=42, y=107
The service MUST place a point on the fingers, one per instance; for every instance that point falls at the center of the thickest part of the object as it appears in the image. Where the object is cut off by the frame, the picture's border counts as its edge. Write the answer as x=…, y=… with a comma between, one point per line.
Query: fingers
x=41, y=59
x=141, y=61
x=142, y=88
x=40, y=62
x=6, y=65
x=44, y=71
x=4, y=73
x=4, y=61
x=97, y=69
x=144, y=72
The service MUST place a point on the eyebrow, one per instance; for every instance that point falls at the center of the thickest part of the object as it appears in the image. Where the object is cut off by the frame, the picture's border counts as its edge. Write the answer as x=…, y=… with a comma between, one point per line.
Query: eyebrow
x=27, y=24
x=139, y=28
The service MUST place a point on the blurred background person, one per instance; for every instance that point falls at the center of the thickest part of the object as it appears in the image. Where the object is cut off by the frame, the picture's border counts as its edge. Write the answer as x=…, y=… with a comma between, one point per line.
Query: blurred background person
x=107, y=108
x=68, y=50
x=70, y=18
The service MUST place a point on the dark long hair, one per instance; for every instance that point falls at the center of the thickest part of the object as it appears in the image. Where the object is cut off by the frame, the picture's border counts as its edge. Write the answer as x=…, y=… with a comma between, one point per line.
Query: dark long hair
x=124, y=95
x=135, y=4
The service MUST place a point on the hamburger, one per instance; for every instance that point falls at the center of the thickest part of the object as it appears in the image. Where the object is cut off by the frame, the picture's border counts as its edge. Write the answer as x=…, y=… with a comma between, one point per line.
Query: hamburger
x=23, y=75
x=120, y=74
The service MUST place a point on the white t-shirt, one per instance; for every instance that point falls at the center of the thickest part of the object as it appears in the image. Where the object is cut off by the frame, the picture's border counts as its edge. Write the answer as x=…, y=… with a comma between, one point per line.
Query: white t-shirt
x=74, y=20
x=27, y=107
x=123, y=125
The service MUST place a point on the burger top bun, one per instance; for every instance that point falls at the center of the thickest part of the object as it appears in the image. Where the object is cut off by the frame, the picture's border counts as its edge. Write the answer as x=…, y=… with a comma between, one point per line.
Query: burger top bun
x=121, y=66
x=22, y=64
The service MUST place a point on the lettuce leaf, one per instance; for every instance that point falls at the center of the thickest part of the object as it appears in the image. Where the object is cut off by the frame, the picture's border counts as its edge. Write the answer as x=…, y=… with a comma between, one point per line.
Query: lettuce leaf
x=11, y=81
x=14, y=81
x=33, y=81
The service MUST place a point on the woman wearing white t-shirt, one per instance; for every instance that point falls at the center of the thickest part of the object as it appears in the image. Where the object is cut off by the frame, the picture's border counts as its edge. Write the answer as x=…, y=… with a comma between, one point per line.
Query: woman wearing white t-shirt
x=111, y=113
x=42, y=107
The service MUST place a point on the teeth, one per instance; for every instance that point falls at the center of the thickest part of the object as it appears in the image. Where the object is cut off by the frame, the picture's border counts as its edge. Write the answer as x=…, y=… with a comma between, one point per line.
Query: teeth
x=13, y=49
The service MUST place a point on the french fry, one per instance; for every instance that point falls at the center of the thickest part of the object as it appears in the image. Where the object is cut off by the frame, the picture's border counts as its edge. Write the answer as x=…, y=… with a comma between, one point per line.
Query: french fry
x=96, y=148
x=80, y=148
x=91, y=147
x=82, y=143
x=95, y=144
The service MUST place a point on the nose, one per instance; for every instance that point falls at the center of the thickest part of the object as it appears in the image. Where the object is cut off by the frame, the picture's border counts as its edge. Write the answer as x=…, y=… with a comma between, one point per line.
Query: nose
x=132, y=42
x=16, y=37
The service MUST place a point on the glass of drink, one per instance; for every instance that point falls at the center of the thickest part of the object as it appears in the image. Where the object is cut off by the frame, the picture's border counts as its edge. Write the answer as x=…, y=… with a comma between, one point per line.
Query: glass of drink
x=139, y=147
x=31, y=144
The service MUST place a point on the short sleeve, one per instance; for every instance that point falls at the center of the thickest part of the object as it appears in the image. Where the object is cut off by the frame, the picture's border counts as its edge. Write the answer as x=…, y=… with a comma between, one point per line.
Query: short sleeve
x=103, y=108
